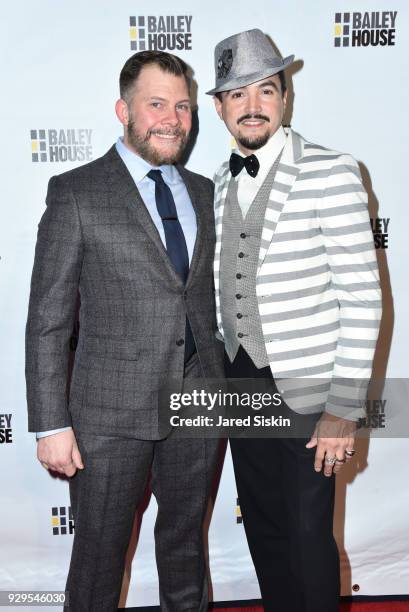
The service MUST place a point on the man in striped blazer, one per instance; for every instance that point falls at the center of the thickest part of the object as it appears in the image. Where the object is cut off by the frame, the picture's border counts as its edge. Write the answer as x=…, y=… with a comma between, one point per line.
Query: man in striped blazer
x=298, y=302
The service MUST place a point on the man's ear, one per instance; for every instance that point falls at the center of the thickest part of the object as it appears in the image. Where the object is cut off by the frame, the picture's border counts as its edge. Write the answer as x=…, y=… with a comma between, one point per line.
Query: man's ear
x=122, y=111
x=218, y=106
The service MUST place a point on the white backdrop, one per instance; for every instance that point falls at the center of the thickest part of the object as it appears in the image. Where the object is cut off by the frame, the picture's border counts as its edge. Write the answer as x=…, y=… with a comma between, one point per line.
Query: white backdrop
x=61, y=66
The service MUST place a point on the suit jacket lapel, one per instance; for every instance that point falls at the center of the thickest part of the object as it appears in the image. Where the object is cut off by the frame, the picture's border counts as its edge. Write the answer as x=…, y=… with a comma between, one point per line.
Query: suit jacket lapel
x=222, y=181
x=221, y=187
x=197, y=250
x=124, y=192
x=287, y=172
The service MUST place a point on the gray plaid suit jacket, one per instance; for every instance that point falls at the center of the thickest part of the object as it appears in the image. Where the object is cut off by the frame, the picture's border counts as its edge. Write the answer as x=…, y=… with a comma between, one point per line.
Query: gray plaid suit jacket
x=97, y=238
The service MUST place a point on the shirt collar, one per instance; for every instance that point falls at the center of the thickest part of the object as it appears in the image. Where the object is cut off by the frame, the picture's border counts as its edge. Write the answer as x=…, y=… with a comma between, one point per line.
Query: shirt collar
x=139, y=167
x=267, y=154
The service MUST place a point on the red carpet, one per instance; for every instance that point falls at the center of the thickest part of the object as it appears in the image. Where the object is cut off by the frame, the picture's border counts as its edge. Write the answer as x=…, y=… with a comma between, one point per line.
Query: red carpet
x=382, y=606
x=346, y=606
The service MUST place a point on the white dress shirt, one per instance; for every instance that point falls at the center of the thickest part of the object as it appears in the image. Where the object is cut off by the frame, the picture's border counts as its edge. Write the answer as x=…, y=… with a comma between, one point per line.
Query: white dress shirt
x=249, y=186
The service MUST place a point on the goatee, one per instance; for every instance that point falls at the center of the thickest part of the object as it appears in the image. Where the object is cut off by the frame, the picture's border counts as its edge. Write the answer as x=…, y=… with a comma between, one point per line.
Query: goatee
x=258, y=141
x=254, y=143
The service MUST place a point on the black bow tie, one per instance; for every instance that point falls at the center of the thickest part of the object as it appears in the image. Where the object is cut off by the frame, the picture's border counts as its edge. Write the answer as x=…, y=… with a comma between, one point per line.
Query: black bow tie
x=237, y=163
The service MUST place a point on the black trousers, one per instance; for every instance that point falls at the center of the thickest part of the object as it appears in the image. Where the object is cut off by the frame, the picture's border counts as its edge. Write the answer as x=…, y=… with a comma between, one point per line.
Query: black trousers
x=287, y=511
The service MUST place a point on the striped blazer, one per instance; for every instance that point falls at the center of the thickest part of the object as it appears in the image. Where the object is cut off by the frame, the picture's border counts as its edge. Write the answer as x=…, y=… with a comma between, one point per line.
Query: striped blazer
x=317, y=281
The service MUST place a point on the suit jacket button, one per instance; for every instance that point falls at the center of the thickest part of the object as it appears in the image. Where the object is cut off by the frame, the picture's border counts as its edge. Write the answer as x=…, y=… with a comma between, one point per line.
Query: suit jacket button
x=242, y=235
x=239, y=315
x=241, y=254
x=180, y=342
x=240, y=335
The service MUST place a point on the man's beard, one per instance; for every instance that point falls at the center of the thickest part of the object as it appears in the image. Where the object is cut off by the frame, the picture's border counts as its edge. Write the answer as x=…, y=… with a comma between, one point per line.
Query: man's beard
x=142, y=145
x=257, y=141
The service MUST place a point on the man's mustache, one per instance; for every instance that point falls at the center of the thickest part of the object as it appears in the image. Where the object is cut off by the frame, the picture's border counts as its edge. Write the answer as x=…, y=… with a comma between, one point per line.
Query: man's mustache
x=249, y=116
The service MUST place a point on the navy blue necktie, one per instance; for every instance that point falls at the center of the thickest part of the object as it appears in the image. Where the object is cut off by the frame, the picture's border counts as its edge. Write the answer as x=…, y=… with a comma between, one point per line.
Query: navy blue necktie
x=175, y=241
x=174, y=236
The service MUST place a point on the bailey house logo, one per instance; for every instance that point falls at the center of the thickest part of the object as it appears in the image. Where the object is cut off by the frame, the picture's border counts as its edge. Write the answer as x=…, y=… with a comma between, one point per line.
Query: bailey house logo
x=62, y=520
x=380, y=231
x=374, y=415
x=239, y=518
x=161, y=33
x=57, y=145
x=370, y=29
x=6, y=432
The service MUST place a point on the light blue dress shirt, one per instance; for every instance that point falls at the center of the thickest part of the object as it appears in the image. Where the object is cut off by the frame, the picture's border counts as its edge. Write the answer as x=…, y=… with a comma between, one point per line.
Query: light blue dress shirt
x=138, y=169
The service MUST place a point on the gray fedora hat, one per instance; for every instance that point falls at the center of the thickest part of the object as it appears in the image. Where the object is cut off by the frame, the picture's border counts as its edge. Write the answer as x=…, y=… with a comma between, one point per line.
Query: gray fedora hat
x=245, y=58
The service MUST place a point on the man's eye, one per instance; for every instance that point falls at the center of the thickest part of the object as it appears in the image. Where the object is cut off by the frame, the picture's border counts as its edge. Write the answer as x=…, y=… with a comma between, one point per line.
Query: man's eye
x=236, y=94
x=268, y=91
x=156, y=104
x=183, y=107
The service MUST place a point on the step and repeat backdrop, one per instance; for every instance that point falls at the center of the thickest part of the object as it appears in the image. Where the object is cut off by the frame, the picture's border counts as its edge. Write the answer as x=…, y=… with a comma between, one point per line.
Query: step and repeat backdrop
x=348, y=91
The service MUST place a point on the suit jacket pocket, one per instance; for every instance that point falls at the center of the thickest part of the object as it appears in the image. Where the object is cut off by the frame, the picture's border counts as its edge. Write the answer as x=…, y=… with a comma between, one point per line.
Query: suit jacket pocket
x=114, y=348
x=110, y=383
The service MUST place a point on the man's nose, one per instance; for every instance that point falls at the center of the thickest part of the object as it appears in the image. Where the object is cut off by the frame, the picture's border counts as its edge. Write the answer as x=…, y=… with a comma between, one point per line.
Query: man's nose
x=253, y=102
x=171, y=117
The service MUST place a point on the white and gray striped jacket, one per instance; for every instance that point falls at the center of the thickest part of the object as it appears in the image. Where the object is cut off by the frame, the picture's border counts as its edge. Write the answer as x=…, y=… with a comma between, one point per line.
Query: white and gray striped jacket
x=317, y=280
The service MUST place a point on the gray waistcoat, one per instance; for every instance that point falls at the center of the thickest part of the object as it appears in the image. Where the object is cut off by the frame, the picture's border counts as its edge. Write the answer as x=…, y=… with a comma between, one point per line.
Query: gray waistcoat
x=238, y=269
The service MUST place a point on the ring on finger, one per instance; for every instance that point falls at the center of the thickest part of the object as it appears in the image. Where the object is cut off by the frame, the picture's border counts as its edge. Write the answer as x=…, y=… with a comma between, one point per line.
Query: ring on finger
x=330, y=460
x=350, y=453
x=339, y=460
